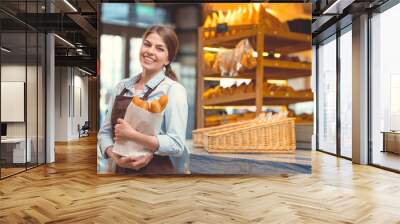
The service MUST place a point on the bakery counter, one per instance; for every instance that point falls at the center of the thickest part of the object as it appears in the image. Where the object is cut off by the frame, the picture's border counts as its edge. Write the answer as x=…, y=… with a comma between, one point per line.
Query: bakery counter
x=202, y=162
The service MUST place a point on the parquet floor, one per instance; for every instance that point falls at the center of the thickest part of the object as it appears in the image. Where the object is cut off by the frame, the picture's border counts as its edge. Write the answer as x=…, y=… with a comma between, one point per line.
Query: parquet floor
x=69, y=191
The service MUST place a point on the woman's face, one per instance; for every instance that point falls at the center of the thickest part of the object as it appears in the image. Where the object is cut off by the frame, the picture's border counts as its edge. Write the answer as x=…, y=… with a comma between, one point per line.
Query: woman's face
x=153, y=53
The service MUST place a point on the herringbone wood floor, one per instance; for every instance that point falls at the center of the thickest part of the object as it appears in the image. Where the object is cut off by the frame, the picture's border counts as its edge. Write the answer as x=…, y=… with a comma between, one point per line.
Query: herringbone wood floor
x=69, y=191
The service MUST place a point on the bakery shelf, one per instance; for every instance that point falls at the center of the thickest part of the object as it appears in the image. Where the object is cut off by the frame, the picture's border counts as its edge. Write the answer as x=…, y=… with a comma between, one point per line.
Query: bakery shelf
x=285, y=100
x=273, y=69
x=232, y=100
x=278, y=41
x=262, y=40
x=286, y=64
x=248, y=99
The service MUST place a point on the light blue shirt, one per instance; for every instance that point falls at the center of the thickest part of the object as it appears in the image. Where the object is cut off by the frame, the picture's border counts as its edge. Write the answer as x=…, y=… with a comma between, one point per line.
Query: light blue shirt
x=172, y=133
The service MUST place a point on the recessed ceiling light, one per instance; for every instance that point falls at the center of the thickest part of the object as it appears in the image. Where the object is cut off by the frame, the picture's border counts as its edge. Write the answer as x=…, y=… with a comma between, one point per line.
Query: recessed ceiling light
x=70, y=5
x=5, y=50
x=86, y=72
x=65, y=41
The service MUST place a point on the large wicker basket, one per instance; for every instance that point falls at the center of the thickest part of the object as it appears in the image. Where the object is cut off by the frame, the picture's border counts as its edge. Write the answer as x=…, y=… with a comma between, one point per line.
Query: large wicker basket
x=198, y=134
x=256, y=136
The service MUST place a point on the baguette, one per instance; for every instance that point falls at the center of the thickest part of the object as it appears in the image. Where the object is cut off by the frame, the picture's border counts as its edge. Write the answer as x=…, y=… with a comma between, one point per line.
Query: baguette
x=155, y=106
x=140, y=103
x=163, y=101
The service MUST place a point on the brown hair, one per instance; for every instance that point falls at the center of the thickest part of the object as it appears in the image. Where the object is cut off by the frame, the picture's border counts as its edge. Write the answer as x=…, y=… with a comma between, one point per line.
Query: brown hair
x=170, y=39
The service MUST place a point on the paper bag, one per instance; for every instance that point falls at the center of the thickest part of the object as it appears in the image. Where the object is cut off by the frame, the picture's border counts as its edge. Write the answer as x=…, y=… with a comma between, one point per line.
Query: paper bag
x=144, y=122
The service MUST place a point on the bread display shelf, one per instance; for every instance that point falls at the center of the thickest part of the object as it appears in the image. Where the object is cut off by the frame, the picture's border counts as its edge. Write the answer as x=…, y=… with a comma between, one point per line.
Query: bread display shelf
x=265, y=35
x=232, y=100
x=273, y=69
x=279, y=41
x=285, y=64
x=248, y=99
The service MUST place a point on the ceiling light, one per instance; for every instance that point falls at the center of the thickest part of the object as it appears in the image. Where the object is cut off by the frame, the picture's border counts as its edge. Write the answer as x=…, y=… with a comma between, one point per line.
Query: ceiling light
x=337, y=7
x=65, y=41
x=277, y=55
x=5, y=50
x=70, y=5
x=86, y=72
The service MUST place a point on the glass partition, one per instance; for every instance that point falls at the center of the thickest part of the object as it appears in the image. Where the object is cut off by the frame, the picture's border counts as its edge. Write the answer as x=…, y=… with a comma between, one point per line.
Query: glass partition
x=14, y=153
x=22, y=88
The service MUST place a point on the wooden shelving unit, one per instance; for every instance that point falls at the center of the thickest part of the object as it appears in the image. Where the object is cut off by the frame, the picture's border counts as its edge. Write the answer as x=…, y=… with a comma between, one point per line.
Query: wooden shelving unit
x=263, y=40
x=273, y=69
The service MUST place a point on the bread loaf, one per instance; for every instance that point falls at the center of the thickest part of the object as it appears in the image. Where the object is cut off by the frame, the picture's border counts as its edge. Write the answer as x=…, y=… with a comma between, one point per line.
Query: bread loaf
x=140, y=103
x=163, y=102
x=143, y=104
x=136, y=100
x=155, y=106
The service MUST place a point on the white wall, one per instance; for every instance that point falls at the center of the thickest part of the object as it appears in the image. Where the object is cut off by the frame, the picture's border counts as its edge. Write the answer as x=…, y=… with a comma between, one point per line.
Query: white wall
x=34, y=124
x=14, y=73
x=71, y=94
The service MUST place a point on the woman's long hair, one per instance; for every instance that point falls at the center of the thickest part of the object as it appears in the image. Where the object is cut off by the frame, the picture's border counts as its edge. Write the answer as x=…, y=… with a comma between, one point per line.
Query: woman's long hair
x=171, y=41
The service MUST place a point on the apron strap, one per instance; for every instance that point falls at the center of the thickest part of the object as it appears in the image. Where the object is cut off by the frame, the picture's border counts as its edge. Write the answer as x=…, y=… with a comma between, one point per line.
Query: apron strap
x=124, y=91
x=146, y=94
x=150, y=90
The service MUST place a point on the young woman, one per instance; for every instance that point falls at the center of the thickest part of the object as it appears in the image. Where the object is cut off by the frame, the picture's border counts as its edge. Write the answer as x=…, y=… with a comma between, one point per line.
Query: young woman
x=168, y=151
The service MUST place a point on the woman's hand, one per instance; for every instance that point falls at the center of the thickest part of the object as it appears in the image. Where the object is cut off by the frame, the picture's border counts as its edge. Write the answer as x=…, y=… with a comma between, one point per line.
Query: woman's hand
x=130, y=162
x=123, y=130
x=133, y=162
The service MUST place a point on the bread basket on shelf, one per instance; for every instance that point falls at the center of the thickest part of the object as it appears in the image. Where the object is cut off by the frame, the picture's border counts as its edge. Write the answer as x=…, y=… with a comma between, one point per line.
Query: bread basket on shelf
x=264, y=134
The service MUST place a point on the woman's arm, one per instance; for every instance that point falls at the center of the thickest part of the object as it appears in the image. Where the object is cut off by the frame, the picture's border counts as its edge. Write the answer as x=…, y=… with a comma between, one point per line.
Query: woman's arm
x=124, y=131
x=104, y=136
x=172, y=142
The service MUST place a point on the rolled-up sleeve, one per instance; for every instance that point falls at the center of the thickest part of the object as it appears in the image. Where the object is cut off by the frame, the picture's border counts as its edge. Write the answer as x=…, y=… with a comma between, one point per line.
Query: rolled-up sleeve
x=105, y=135
x=172, y=143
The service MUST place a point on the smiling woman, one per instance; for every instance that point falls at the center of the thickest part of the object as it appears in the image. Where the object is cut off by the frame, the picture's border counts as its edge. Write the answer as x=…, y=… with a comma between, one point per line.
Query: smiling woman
x=159, y=48
x=167, y=152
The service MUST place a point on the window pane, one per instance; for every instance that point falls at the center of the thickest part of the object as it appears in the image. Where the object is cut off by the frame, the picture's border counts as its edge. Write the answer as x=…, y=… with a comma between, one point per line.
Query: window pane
x=346, y=94
x=327, y=96
x=112, y=64
x=134, y=63
x=385, y=86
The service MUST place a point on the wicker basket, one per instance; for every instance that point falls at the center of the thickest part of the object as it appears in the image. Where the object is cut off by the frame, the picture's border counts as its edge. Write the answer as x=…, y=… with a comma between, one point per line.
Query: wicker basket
x=258, y=137
x=198, y=134
x=265, y=134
